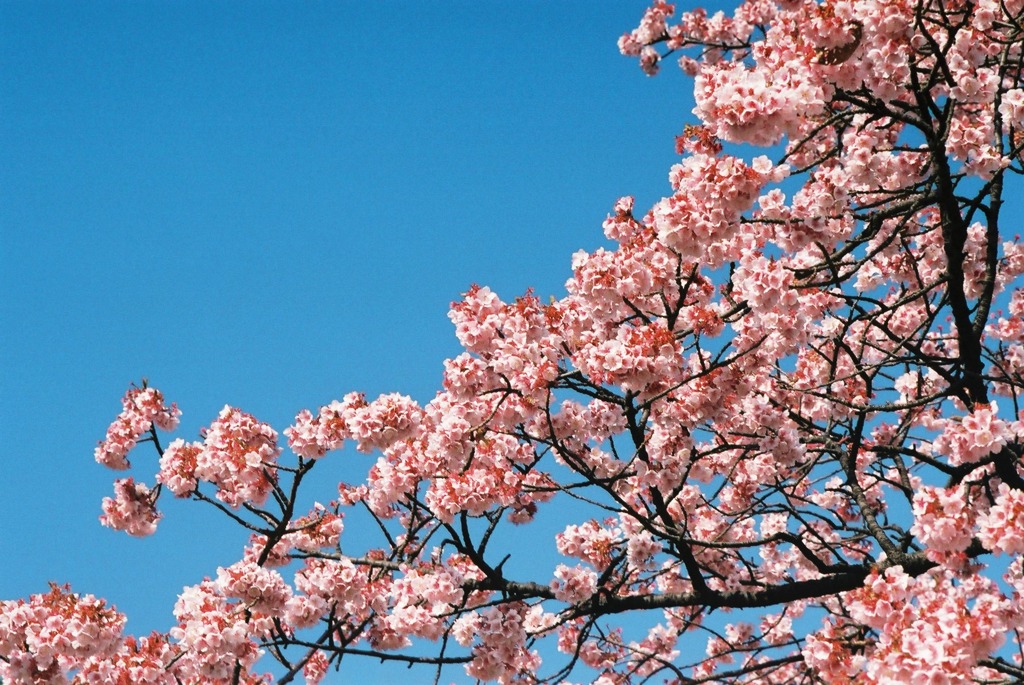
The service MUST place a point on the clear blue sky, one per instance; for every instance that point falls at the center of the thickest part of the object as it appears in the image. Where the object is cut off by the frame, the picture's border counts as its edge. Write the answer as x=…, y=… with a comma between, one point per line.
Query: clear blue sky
x=270, y=205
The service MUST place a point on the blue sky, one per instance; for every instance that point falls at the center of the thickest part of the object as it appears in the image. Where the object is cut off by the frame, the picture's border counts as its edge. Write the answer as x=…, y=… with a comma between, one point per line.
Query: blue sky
x=270, y=205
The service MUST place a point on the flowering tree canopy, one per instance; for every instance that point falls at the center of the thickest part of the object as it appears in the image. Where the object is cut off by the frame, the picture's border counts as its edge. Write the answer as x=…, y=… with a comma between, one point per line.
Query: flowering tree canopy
x=780, y=422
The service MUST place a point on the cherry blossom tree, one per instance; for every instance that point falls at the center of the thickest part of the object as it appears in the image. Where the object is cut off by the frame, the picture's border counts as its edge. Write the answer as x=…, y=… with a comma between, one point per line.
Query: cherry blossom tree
x=780, y=420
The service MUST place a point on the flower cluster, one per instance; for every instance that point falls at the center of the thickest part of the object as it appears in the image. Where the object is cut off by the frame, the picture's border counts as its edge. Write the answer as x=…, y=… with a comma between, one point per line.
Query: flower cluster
x=143, y=408
x=146, y=661
x=1001, y=528
x=944, y=519
x=932, y=626
x=178, y=467
x=132, y=509
x=375, y=425
x=53, y=633
x=975, y=436
x=499, y=652
x=213, y=634
x=700, y=222
x=239, y=456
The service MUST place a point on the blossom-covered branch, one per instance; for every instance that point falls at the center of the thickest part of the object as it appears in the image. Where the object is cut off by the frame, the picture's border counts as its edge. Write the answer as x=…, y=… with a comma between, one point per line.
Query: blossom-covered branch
x=792, y=387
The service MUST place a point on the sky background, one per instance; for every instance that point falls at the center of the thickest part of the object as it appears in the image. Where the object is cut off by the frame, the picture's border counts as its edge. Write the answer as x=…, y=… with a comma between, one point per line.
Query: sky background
x=270, y=205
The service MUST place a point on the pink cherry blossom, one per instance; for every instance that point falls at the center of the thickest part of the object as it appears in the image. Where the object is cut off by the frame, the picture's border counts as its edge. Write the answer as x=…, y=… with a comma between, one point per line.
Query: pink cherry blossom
x=178, y=467
x=317, y=530
x=574, y=584
x=132, y=509
x=213, y=635
x=146, y=661
x=52, y=633
x=143, y=408
x=499, y=638
x=944, y=518
x=972, y=438
x=1001, y=528
x=260, y=589
x=239, y=456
